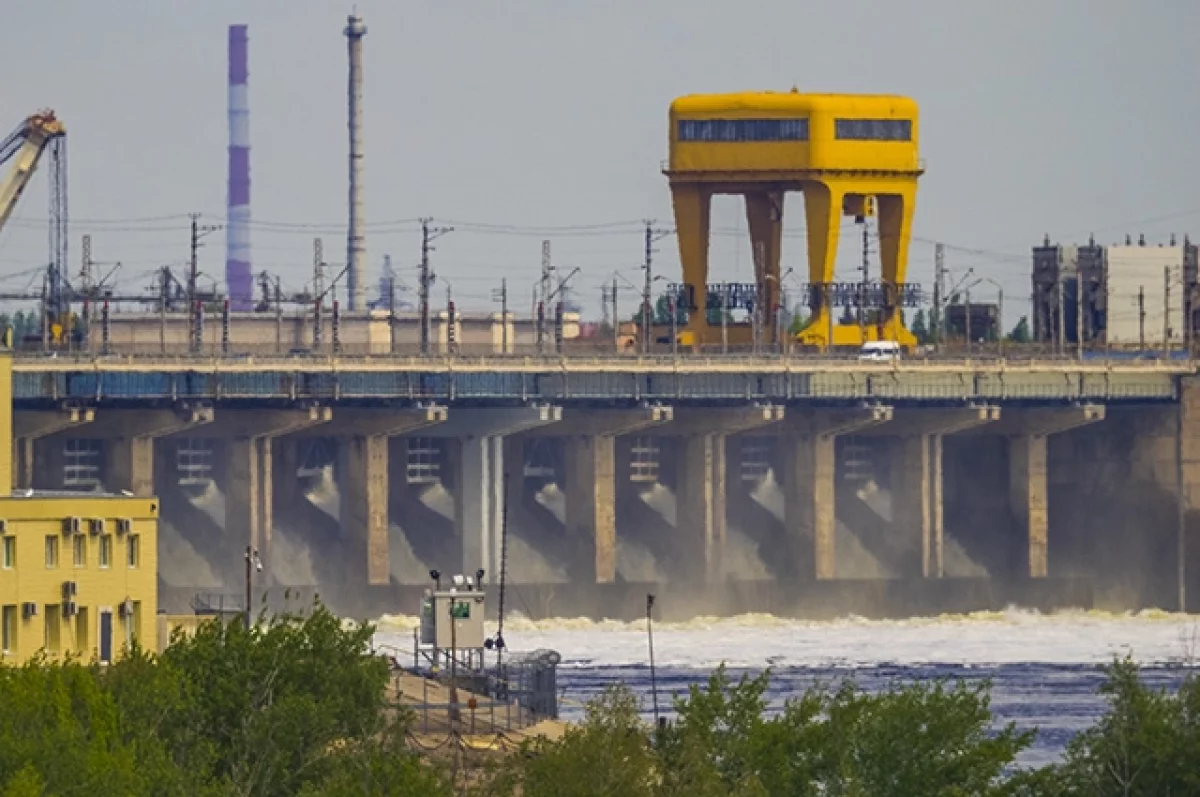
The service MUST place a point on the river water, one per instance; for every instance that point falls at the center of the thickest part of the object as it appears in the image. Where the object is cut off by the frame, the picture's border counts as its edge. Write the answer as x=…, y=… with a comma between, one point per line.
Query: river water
x=1045, y=669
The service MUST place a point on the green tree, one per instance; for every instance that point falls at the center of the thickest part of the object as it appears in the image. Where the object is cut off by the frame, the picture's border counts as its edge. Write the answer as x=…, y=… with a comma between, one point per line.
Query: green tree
x=1020, y=333
x=1146, y=744
x=262, y=707
x=60, y=729
x=918, y=739
x=609, y=753
x=920, y=329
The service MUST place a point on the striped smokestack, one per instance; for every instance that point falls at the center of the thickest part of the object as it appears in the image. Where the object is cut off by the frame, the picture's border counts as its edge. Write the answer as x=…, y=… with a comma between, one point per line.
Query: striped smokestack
x=355, y=244
x=238, y=277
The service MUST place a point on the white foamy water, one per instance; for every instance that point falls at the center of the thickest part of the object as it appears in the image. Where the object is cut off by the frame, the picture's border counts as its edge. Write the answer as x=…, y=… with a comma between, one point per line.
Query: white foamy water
x=180, y=564
x=758, y=641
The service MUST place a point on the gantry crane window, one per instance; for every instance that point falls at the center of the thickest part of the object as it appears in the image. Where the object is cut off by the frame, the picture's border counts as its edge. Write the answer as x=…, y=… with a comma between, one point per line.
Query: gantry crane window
x=743, y=130
x=873, y=129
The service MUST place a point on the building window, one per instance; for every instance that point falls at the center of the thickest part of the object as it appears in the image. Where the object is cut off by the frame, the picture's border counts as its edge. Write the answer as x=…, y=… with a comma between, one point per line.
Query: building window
x=134, y=550
x=743, y=130
x=8, y=619
x=51, y=552
x=10, y=553
x=53, y=629
x=873, y=129
x=105, y=551
x=79, y=550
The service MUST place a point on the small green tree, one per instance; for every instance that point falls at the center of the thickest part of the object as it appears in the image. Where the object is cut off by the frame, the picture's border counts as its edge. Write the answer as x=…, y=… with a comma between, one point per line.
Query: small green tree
x=609, y=753
x=919, y=328
x=1147, y=743
x=1020, y=333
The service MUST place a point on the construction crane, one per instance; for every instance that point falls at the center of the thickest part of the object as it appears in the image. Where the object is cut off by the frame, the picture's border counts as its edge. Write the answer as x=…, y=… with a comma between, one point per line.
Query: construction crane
x=25, y=147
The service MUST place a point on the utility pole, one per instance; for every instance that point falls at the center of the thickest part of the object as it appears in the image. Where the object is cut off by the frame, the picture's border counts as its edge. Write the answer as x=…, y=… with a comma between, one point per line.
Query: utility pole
x=198, y=232
x=616, y=318
x=164, y=287
x=85, y=281
x=278, y=317
x=501, y=296
x=318, y=282
x=391, y=299
x=652, y=235
x=725, y=319
x=673, y=310
x=544, y=295
x=862, y=288
x=1141, y=318
x=939, y=271
x=451, y=332
x=1078, y=313
x=1062, y=315
x=967, y=307
x=427, y=277
x=1167, y=309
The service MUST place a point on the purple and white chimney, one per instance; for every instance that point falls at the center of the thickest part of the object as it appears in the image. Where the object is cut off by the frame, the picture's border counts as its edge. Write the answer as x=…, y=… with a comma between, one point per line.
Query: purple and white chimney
x=239, y=279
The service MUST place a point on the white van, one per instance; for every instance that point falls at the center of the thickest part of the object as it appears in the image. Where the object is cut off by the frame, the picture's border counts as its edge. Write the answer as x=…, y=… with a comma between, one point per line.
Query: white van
x=880, y=351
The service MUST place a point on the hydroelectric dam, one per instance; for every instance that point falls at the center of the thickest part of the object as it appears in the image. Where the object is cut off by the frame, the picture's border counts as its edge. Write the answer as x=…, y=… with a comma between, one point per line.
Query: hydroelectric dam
x=802, y=486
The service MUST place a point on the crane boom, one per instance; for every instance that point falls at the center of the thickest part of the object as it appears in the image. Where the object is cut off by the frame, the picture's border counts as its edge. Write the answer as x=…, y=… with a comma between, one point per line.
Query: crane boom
x=24, y=147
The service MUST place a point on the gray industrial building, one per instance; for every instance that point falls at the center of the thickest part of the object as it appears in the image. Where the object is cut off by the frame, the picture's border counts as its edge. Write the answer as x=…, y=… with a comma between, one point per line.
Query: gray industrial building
x=1126, y=296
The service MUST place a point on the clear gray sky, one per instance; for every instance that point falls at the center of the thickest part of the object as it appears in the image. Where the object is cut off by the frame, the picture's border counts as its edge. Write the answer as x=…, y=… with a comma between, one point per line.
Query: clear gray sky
x=1038, y=116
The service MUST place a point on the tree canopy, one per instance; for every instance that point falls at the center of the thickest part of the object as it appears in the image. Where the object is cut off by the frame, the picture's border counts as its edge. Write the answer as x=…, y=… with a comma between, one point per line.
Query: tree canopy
x=298, y=706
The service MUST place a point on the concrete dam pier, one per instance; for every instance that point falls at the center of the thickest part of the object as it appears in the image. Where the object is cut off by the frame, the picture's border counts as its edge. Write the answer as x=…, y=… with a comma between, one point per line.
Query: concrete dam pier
x=796, y=487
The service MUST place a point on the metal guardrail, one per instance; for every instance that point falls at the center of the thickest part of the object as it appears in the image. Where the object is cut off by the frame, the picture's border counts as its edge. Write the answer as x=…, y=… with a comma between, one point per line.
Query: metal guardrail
x=612, y=379
x=578, y=363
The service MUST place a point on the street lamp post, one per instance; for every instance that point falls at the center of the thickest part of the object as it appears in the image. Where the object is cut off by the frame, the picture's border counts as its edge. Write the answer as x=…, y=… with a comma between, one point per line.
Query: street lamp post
x=253, y=564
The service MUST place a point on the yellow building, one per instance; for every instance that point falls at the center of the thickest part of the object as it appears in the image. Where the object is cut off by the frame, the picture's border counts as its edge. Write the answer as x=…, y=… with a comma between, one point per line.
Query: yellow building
x=78, y=572
x=853, y=155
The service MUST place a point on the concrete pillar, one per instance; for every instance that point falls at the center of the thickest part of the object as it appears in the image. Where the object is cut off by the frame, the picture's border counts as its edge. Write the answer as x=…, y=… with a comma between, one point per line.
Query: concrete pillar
x=590, y=475
x=476, y=506
x=31, y=426
x=591, y=495
x=363, y=474
x=363, y=482
x=1027, y=431
x=809, y=468
x=700, y=502
x=1028, y=497
x=249, y=493
x=479, y=464
x=917, y=480
x=129, y=443
x=701, y=492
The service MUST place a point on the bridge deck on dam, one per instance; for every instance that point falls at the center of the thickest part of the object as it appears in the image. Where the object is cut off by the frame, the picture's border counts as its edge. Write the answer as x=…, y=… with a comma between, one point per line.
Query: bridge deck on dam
x=598, y=380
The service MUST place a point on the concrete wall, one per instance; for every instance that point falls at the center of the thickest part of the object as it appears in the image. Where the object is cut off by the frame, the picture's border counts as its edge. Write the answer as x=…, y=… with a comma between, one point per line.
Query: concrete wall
x=1134, y=269
x=362, y=333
